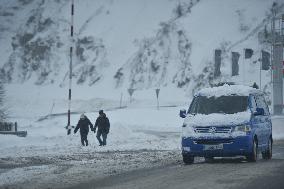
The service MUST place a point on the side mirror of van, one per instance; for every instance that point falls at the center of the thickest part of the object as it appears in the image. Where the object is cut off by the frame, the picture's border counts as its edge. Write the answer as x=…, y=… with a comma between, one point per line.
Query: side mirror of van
x=182, y=113
x=259, y=111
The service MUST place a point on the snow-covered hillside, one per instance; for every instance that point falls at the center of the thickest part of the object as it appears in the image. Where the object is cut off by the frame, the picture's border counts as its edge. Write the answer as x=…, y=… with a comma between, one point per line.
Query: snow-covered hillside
x=130, y=43
x=122, y=44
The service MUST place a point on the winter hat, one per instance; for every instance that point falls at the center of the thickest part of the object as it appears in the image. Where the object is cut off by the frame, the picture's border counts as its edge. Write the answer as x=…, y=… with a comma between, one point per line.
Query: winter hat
x=101, y=112
x=82, y=116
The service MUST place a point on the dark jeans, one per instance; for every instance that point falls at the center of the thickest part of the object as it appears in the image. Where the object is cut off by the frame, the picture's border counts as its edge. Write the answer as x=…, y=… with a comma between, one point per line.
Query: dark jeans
x=84, y=139
x=104, y=135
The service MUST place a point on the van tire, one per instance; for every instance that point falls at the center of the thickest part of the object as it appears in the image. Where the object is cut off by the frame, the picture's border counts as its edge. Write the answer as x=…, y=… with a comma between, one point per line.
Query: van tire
x=187, y=159
x=253, y=156
x=267, y=154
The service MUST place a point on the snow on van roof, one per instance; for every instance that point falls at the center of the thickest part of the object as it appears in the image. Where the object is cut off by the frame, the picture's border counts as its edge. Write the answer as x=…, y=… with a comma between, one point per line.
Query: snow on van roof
x=227, y=90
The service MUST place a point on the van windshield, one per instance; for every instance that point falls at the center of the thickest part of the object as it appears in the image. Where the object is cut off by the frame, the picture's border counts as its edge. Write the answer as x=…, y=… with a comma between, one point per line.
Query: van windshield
x=222, y=104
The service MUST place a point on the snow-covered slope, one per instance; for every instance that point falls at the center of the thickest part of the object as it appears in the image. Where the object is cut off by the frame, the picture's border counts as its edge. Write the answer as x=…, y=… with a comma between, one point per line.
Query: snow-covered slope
x=131, y=43
x=122, y=44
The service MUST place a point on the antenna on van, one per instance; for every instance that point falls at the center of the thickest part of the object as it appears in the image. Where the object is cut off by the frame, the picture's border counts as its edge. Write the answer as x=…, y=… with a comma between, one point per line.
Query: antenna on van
x=224, y=83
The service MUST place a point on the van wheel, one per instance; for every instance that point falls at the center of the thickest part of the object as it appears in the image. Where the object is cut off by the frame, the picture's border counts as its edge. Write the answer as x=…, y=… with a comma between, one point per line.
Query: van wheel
x=253, y=156
x=187, y=159
x=267, y=154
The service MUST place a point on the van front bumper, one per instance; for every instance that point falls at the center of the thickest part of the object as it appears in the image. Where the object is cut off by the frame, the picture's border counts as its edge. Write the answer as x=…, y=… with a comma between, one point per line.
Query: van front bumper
x=217, y=147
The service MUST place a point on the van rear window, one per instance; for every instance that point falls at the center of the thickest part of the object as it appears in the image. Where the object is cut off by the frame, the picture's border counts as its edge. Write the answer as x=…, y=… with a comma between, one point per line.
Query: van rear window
x=222, y=104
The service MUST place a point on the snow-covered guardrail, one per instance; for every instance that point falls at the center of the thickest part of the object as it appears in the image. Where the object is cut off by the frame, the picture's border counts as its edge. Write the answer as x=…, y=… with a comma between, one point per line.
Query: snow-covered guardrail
x=9, y=128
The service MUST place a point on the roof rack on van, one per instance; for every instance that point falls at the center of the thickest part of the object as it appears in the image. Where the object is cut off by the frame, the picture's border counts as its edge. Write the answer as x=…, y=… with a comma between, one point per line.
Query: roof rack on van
x=224, y=83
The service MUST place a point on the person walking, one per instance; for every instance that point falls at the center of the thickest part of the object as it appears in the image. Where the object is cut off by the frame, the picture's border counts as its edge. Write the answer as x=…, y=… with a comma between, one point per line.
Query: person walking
x=83, y=125
x=103, y=125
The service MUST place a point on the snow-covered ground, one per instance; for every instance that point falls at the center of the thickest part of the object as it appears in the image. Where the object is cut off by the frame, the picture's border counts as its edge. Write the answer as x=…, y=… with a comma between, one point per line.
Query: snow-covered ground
x=137, y=125
x=141, y=136
x=131, y=129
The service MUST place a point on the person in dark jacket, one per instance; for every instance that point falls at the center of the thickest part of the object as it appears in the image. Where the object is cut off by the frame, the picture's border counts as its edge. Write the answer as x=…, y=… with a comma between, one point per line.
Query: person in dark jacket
x=83, y=125
x=103, y=125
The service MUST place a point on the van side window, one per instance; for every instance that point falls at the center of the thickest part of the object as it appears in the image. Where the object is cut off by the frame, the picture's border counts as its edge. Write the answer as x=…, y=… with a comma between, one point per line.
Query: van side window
x=252, y=103
x=261, y=104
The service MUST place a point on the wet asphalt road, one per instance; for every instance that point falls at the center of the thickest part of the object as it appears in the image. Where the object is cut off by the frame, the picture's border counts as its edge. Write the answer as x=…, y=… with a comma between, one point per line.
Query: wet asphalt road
x=221, y=173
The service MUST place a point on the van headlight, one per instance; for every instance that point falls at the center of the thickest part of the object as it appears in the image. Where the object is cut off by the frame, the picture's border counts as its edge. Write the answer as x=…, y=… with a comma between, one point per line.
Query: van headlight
x=242, y=128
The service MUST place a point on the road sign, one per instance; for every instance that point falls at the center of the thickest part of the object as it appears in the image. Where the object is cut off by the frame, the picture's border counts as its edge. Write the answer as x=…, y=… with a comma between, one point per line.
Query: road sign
x=265, y=60
x=131, y=91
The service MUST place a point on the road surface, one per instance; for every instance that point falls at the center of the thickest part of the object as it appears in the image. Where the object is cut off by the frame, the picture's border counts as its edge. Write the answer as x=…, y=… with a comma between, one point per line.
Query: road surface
x=221, y=173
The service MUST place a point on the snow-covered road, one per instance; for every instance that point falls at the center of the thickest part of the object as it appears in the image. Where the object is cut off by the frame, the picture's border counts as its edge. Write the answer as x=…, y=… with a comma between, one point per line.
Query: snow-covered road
x=218, y=174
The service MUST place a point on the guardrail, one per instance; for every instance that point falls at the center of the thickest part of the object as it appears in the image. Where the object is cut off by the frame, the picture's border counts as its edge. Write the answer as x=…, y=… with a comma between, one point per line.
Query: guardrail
x=9, y=128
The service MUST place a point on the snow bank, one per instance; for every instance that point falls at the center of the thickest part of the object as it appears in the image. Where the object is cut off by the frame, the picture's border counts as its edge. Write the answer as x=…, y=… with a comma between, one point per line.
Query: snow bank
x=227, y=90
x=131, y=129
x=218, y=119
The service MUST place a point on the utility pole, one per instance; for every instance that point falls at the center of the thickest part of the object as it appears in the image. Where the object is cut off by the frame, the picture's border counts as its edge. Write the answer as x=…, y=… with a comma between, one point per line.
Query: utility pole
x=260, y=67
x=120, y=102
x=69, y=127
x=277, y=61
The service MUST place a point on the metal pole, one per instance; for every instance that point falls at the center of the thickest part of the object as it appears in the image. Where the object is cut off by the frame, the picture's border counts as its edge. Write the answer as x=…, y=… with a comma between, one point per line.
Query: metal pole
x=120, y=103
x=277, y=45
x=70, y=66
x=271, y=77
x=273, y=57
x=243, y=67
x=260, y=66
x=158, y=106
x=157, y=95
